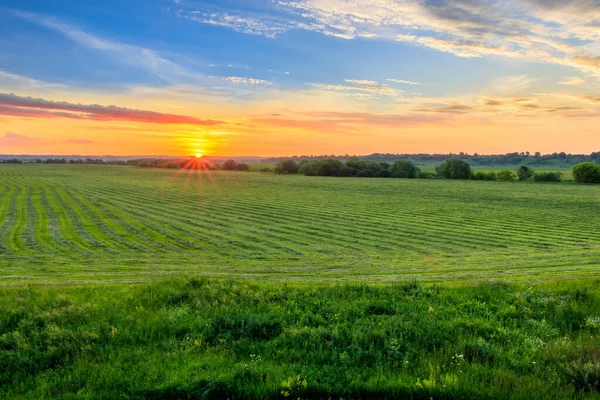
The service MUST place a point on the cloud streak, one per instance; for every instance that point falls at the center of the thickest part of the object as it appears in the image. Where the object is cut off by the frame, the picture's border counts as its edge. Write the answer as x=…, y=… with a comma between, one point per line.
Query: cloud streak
x=18, y=106
x=538, y=30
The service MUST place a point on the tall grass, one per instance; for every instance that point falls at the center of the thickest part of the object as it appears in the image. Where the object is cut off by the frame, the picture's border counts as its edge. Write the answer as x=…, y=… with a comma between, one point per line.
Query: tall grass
x=206, y=338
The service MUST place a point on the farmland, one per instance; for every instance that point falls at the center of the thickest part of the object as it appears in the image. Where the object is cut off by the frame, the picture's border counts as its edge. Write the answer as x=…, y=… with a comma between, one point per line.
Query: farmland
x=126, y=282
x=97, y=223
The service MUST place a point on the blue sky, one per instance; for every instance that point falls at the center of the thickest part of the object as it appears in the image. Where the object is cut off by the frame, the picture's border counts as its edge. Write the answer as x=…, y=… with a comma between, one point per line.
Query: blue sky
x=271, y=70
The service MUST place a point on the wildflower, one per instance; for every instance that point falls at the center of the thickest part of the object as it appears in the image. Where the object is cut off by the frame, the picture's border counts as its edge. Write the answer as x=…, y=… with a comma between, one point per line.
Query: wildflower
x=114, y=331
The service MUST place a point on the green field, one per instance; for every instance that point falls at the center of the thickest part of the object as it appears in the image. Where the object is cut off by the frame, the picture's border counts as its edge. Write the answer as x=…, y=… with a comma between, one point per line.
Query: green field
x=135, y=283
x=127, y=224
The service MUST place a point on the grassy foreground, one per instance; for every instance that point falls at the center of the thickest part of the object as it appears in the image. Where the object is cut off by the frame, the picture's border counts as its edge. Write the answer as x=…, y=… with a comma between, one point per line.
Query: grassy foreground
x=204, y=338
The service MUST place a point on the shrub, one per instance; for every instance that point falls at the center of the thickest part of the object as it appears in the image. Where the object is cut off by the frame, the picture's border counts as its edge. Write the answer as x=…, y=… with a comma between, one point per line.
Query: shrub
x=547, y=177
x=286, y=167
x=524, y=173
x=242, y=167
x=329, y=167
x=365, y=173
x=230, y=165
x=579, y=362
x=384, y=173
x=454, y=168
x=587, y=172
x=346, y=171
x=404, y=169
x=505, y=175
x=484, y=176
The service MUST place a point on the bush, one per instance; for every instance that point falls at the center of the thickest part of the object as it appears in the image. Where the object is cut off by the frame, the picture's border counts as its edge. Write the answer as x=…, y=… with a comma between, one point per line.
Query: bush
x=547, y=177
x=524, y=173
x=505, y=175
x=404, y=169
x=365, y=173
x=286, y=167
x=426, y=175
x=454, y=168
x=230, y=165
x=579, y=362
x=587, y=172
x=484, y=176
x=384, y=173
x=329, y=167
x=346, y=171
x=242, y=167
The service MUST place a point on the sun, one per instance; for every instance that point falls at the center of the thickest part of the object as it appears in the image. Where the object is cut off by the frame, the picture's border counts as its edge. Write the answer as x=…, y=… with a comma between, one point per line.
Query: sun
x=198, y=154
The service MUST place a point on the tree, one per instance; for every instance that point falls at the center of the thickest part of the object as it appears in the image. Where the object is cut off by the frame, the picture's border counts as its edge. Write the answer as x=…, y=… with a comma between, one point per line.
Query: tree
x=524, y=173
x=384, y=173
x=329, y=167
x=505, y=175
x=286, y=167
x=230, y=165
x=364, y=173
x=242, y=167
x=454, y=168
x=403, y=169
x=587, y=172
x=355, y=162
x=346, y=171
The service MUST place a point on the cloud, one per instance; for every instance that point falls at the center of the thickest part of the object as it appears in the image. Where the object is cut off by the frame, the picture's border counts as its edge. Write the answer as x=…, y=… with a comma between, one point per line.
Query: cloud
x=267, y=27
x=403, y=81
x=13, y=105
x=548, y=31
x=15, y=140
x=446, y=109
x=246, y=81
x=12, y=139
x=8, y=79
x=360, y=88
x=572, y=81
x=523, y=105
x=361, y=82
x=512, y=84
x=127, y=54
x=323, y=121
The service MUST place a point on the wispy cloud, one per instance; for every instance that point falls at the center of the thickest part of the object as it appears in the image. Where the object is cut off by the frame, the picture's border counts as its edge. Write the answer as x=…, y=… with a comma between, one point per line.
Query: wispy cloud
x=18, y=106
x=9, y=80
x=131, y=55
x=537, y=30
x=402, y=81
x=15, y=140
x=572, y=81
x=360, y=88
x=246, y=81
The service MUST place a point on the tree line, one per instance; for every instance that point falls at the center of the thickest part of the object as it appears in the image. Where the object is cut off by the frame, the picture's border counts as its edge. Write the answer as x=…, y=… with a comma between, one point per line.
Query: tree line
x=514, y=158
x=452, y=168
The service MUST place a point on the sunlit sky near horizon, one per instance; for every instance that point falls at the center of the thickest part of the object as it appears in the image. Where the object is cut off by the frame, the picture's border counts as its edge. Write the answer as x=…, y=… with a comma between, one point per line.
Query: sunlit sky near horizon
x=293, y=77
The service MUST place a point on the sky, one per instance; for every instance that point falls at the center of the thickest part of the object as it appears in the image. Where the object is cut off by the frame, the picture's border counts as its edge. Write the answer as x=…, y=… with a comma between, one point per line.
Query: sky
x=299, y=77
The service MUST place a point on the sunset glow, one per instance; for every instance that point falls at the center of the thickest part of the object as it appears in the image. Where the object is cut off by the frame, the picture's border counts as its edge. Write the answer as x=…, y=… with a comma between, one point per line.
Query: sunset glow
x=306, y=77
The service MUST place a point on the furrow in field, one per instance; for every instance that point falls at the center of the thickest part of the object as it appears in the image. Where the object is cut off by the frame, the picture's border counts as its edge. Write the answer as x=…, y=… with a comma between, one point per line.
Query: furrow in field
x=14, y=237
x=332, y=239
x=85, y=225
x=192, y=226
x=43, y=234
x=71, y=232
x=109, y=228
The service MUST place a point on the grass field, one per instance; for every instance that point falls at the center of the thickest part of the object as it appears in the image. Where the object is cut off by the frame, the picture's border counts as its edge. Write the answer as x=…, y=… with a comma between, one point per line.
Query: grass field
x=134, y=283
x=127, y=224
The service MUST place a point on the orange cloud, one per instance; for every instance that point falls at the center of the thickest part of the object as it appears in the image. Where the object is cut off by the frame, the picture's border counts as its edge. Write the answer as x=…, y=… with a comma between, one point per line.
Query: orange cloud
x=18, y=106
